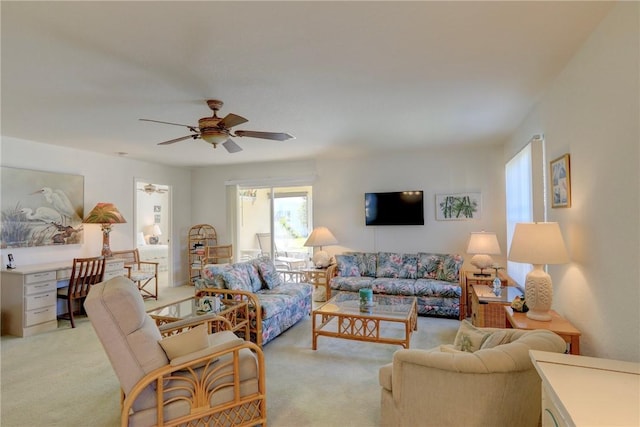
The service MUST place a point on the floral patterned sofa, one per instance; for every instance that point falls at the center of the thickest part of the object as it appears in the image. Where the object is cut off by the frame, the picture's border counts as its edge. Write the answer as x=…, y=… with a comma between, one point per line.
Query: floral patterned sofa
x=432, y=278
x=274, y=306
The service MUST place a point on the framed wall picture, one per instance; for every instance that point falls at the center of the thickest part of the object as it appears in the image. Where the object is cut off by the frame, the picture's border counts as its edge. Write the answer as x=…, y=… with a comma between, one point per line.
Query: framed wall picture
x=156, y=219
x=40, y=208
x=560, y=177
x=157, y=208
x=457, y=207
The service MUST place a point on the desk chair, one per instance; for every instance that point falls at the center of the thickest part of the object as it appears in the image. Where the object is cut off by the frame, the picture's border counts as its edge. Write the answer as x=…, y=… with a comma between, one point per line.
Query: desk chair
x=143, y=273
x=84, y=273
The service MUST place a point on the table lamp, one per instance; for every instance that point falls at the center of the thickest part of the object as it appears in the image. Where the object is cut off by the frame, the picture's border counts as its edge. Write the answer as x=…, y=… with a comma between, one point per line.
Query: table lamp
x=155, y=237
x=105, y=214
x=482, y=245
x=538, y=243
x=319, y=237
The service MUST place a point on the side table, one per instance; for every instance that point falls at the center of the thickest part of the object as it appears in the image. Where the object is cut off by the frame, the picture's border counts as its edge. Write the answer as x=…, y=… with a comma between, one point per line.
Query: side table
x=468, y=278
x=487, y=308
x=557, y=324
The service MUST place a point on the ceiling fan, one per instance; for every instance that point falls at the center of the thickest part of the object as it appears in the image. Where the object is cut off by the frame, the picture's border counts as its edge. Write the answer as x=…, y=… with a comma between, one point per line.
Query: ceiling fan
x=150, y=189
x=216, y=130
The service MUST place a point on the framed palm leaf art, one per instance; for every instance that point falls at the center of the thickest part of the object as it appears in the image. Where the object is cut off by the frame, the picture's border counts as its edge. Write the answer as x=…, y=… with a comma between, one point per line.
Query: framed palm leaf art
x=458, y=206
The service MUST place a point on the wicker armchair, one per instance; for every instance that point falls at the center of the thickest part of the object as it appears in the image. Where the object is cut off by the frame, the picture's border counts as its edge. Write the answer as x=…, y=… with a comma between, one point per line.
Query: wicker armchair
x=219, y=384
x=143, y=273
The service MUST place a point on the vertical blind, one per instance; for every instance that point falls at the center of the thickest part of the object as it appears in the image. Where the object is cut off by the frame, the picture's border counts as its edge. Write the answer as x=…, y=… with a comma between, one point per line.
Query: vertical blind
x=519, y=201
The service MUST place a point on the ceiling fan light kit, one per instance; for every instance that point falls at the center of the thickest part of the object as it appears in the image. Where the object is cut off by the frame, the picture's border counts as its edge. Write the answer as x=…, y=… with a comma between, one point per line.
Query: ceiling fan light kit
x=216, y=130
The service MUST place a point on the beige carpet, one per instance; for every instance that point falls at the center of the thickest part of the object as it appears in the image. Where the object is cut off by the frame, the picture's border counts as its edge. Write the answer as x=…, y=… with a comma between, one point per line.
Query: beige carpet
x=63, y=377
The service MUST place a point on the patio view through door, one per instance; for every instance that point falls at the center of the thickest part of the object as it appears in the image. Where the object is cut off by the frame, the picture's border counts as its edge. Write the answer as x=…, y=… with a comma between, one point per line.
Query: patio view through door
x=274, y=222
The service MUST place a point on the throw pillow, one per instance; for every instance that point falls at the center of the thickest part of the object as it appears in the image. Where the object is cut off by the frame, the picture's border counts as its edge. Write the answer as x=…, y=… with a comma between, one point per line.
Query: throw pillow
x=237, y=279
x=495, y=339
x=268, y=272
x=367, y=263
x=469, y=338
x=212, y=275
x=428, y=265
x=389, y=264
x=188, y=342
x=347, y=266
x=409, y=269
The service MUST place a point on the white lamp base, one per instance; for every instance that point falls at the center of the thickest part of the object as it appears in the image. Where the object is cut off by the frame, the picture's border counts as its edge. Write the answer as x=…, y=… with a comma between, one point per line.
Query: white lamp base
x=538, y=294
x=321, y=259
x=482, y=261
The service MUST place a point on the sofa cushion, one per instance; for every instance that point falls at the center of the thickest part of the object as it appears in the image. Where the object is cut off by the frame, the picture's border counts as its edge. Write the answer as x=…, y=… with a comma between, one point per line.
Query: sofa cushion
x=496, y=338
x=268, y=272
x=393, y=286
x=409, y=269
x=254, y=275
x=347, y=266
x=237, y=279
x=469, y=338
x=281, y=298
x=389, y=264
x=367, y=263
x=351, y=284
x=436, y=288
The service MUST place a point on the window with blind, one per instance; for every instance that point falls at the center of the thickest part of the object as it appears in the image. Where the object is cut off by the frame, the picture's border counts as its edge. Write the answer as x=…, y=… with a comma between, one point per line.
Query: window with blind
x=525, y=200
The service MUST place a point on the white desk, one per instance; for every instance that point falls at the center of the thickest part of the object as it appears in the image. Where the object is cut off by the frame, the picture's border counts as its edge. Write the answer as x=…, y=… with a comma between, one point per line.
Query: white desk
x=29, y=295
x=587, y=391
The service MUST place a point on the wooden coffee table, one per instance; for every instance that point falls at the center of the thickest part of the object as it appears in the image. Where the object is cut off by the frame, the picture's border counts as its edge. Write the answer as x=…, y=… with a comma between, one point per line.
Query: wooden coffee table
x=340, y=317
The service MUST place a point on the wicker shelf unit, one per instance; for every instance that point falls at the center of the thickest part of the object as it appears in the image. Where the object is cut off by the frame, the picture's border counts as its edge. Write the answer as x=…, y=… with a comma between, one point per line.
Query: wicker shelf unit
x=200, y=237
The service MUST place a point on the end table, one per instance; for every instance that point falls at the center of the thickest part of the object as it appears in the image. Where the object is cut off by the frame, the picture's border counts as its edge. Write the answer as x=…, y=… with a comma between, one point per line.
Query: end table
x=557, y=324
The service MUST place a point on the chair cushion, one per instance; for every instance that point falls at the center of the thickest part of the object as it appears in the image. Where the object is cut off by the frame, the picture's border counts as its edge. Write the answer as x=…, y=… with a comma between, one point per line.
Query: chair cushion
x=184, y=343
x=138, y=275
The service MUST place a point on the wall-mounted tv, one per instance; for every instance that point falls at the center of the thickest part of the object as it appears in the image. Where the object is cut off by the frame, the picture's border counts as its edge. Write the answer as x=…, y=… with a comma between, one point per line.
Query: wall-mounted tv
x=394, y=208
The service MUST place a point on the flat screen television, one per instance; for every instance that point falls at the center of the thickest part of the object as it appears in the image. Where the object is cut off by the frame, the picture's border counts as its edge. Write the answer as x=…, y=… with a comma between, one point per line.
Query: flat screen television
x=394, y=208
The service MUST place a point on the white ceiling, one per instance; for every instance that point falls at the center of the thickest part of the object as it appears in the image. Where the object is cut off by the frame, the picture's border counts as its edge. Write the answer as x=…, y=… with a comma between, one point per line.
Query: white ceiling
x=346, y=76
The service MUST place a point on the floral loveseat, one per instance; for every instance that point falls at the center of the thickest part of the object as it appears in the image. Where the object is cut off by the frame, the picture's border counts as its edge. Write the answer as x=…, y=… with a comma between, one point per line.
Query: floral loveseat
x=432, y=278
x=274, y=306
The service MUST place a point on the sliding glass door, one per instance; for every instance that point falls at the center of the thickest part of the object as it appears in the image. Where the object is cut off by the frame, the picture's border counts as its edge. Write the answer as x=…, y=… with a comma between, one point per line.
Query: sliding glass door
x=274, y=222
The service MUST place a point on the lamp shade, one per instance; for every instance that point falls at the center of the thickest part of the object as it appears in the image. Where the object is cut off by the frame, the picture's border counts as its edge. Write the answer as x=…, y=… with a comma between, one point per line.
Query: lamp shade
x=483, y=243
x=321, y=236
x=104, y=213
x=538, y=243
x=156, y=230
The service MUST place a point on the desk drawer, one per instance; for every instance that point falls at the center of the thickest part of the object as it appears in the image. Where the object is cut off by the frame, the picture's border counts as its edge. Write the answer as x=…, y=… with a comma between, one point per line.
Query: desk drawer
x=36, y=288
x=40, y=315
x=39, y=277
x=44, y=299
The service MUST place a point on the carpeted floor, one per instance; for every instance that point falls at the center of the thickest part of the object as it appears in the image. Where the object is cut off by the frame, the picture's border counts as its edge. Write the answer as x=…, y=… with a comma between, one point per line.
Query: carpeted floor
x=63, y=377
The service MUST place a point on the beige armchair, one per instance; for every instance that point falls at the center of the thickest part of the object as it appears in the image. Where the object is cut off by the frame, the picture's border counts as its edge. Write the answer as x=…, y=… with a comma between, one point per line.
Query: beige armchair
x=189, y=378
x=490, y=387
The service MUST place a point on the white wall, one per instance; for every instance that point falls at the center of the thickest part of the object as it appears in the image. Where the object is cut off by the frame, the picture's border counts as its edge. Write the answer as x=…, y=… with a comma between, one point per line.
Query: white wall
x=592, y=112
x=106, y=179
x=340, y=184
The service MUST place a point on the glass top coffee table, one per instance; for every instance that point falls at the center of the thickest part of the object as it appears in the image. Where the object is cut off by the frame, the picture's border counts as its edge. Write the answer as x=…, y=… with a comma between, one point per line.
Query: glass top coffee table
x=340, y=317
x=236, y=314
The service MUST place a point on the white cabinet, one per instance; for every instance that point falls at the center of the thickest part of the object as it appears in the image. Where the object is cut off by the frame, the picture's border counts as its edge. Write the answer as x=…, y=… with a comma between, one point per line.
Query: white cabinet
x=581, y=391
x=29, y=295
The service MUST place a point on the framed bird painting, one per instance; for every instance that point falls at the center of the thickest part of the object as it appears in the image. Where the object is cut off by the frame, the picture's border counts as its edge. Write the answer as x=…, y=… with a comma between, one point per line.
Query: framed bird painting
x=40, y=208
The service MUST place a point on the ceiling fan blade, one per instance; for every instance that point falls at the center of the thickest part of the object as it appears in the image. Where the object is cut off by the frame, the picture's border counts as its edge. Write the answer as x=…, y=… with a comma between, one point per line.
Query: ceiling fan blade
x=277, y=136
x=182, y=138
x=191, y=128
x=231, y=120
x=231, y=146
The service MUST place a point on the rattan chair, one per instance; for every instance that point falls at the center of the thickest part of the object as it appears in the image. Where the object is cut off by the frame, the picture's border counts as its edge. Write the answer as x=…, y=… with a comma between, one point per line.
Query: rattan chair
x=215, y=254
x=84, y=273
x=143, y=273
x=220, y=382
